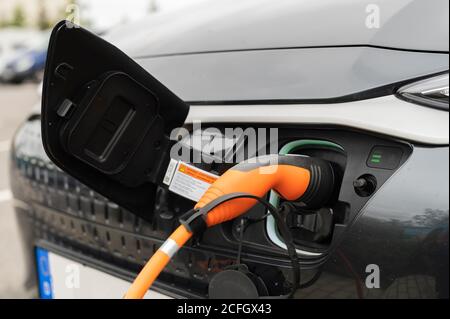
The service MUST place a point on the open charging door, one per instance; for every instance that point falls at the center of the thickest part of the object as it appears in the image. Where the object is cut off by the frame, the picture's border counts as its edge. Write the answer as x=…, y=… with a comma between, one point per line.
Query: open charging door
x=105, y=120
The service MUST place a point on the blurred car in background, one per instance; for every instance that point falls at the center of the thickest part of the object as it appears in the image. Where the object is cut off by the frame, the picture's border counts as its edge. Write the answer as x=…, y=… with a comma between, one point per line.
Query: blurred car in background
x=26, y=60
x=14, y=41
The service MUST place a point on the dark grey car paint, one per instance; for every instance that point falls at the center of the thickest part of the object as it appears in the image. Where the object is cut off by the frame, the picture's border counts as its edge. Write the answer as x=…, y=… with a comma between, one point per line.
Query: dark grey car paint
x=403, y=230
x=297, y=74
x=288, y=50
x=254, y=24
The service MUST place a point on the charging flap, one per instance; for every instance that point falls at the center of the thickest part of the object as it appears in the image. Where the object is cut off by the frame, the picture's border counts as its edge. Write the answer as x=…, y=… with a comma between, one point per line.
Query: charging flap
x=105, y=120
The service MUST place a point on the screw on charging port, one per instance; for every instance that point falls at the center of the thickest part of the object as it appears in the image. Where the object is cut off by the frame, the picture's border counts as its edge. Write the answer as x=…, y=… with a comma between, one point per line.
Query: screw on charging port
x=365, y=185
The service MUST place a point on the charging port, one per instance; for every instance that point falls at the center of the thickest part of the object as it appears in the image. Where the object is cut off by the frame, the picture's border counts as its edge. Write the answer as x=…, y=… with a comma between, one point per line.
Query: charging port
x=312, y=228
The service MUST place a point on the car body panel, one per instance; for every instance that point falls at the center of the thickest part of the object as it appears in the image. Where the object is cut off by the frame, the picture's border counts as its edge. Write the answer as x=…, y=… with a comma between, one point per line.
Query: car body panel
x=324, y=75
x=403, y=231
x=226, y=25
x=384, y=115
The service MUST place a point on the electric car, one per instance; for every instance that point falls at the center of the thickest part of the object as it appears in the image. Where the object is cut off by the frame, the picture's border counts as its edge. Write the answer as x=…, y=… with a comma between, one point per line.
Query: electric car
x=362, y=85
x=26, y=64
x=13, y=42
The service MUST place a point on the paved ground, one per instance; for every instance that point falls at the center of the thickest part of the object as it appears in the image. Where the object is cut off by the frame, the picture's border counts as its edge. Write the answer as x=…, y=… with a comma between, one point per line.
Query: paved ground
x=16, y=102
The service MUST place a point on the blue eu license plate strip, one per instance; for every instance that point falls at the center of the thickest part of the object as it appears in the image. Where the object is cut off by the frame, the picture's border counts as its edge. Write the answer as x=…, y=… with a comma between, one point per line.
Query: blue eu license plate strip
x=44, y=274
x=63, y=278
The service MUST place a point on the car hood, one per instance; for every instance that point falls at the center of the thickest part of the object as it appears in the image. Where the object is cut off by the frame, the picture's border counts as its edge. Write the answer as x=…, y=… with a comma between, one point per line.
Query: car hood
x=227, y=25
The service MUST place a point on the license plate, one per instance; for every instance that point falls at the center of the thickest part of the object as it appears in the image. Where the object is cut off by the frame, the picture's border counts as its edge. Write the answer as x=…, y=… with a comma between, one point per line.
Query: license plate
x=62, y=278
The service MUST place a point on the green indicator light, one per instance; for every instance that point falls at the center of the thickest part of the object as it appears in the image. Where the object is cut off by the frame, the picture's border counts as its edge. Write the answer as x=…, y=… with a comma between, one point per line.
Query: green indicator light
x=376, y=158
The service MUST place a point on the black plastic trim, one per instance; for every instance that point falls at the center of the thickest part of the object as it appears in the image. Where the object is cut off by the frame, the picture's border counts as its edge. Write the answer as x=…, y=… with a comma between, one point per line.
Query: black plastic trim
x=289, y=48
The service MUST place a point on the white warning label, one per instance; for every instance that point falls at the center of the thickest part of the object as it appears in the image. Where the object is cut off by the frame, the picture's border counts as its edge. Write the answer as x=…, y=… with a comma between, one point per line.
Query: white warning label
x=189, y=181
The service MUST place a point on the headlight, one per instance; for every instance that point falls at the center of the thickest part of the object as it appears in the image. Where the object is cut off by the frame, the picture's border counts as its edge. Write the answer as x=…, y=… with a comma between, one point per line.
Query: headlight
x=431, y=92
